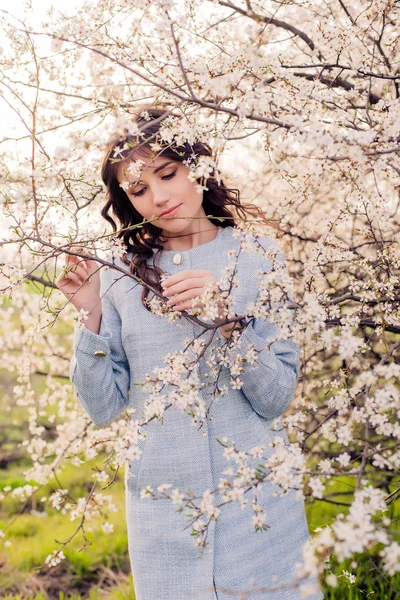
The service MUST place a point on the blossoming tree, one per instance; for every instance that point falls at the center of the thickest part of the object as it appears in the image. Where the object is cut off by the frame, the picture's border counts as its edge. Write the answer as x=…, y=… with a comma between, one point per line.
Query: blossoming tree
x=310, y=92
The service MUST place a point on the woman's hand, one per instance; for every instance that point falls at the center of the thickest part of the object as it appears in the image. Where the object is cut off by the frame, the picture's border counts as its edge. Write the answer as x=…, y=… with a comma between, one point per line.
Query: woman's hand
x=80, y=281
x=185, y=288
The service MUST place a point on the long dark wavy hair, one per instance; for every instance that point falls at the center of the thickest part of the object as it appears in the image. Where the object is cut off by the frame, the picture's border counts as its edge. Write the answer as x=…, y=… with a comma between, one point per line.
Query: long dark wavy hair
x=140, y=241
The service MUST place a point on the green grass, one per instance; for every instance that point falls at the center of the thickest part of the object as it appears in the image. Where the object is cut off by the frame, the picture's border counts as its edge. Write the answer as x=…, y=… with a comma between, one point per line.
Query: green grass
x=33, y=538
x=120, y=593
x=369, y=582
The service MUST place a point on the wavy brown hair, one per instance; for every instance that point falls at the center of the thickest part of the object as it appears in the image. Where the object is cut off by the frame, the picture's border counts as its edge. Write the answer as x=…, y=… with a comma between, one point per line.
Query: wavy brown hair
x=140, y=240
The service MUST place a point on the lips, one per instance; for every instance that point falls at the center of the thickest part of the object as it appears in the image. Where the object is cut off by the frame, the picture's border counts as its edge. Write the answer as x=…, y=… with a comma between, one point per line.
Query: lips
x=169, y=212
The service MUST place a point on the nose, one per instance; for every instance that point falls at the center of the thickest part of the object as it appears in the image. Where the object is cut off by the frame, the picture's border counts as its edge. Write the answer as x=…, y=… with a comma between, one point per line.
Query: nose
x=161, y=199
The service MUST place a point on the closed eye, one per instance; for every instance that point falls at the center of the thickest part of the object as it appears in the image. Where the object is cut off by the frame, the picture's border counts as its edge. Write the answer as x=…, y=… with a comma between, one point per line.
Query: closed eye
x=169, y=176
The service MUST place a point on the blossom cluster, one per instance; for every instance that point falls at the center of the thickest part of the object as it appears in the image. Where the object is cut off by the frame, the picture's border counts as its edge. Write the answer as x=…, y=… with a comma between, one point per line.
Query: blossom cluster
x=298, y=104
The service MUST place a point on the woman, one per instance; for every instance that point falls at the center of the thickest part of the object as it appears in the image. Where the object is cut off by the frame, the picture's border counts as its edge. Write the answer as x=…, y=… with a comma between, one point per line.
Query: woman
x=125, y=339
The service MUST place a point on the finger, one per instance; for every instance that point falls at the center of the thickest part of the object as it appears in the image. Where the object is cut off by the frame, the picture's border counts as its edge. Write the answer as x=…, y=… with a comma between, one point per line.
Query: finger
x=193, y=303
x=77, y=269
x=80, y=265
x=74, y=258
x=186, y=299
x=71, y=258
x=186, y=275
x=91, y=264
x=174, y=299
x=74, y=278
x=81, y=271
x=185, y=287
x=89, y=260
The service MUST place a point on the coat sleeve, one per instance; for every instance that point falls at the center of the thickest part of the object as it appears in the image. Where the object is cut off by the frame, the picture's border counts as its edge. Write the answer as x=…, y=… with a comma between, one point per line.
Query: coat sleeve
x=99, y=369
x=270, y=384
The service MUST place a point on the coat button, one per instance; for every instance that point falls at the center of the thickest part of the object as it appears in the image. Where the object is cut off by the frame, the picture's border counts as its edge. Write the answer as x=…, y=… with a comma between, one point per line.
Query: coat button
x=178, y=258
x=100, y=353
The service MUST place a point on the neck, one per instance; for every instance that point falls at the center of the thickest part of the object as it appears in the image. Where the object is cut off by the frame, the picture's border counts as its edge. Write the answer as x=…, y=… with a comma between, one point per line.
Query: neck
x=186, y=241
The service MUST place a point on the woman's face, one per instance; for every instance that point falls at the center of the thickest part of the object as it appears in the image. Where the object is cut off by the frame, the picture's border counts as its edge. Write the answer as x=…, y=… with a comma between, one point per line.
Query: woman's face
x=158, y=184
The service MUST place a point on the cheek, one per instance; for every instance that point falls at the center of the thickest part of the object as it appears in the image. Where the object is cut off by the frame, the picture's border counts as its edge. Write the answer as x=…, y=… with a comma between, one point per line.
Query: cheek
x=137, y=206
x=188, y=189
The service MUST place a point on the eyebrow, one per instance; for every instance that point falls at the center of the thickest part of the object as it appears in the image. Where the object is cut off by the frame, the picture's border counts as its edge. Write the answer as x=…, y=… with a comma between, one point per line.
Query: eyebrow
x=156, y=170
x=162, y=166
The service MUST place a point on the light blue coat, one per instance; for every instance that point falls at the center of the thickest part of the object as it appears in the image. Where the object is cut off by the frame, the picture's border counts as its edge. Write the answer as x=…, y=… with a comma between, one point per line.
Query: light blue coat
x=164, y=559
